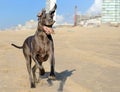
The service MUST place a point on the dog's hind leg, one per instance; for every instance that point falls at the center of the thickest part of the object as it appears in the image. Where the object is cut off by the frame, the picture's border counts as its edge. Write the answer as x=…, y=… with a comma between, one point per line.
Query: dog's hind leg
x=34, y=75
x=28, y=63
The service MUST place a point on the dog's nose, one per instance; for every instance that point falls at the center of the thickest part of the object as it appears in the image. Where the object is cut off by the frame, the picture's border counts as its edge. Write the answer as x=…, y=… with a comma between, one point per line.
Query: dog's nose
x=50, y=20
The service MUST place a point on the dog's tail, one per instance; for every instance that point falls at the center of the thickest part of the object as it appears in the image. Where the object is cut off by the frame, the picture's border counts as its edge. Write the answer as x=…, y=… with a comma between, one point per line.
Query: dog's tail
x=19, y=47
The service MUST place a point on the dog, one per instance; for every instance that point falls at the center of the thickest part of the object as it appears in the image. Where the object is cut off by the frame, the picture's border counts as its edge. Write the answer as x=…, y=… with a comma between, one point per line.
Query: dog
x=39, y=47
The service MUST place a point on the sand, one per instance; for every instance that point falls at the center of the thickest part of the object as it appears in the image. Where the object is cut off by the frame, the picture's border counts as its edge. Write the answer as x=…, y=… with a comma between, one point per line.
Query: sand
x=87, y=60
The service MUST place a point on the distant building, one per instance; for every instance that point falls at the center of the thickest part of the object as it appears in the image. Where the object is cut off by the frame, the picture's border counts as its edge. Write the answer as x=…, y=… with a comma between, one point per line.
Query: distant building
x=111, y=11
x=49, y=5
x=87, y=20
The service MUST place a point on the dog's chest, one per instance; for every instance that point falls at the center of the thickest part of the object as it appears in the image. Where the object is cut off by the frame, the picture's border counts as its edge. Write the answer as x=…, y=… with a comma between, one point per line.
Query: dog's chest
x=45, y=42
x=44, y=48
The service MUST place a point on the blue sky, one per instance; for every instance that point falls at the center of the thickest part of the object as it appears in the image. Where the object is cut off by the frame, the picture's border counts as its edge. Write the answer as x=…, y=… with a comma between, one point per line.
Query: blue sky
x=13, y=12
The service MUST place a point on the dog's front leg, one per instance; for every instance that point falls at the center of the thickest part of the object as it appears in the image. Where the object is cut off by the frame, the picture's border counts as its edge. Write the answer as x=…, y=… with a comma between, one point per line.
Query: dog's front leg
x=52, y=61
x=37, y=63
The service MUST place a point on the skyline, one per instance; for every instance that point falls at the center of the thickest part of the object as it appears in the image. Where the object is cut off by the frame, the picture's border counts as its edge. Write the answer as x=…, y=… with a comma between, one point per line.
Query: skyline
x=19, y=12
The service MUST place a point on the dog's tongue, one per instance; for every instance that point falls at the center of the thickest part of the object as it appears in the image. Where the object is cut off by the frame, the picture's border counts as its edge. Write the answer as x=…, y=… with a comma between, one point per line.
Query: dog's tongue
x=48, y=30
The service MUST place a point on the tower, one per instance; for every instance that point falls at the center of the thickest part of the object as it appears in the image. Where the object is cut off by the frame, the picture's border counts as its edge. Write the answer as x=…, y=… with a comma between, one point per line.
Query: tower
x=75, y=16
x=111, y=11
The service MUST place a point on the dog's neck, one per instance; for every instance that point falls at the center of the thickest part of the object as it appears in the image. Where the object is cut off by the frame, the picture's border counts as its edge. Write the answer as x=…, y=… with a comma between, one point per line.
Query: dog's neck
x=40, y=27
x=47, y=30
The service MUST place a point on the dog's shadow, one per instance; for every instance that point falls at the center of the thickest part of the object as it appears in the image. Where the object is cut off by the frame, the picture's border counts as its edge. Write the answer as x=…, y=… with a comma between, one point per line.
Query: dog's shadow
x=62, y=77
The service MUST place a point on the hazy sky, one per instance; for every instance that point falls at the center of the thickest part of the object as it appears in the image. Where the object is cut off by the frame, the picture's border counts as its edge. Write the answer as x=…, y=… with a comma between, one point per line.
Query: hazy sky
x=13, y=12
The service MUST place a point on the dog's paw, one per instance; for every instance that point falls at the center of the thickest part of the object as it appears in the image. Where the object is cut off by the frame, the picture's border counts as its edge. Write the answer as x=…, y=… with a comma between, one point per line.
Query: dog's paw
x=52, y=77
x=37, y=80
x=33, y=85
x=42, y=72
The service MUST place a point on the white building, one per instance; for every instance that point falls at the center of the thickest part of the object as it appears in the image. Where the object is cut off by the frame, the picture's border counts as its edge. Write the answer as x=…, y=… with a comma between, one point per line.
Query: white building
x=111, y=11
x=49, y=5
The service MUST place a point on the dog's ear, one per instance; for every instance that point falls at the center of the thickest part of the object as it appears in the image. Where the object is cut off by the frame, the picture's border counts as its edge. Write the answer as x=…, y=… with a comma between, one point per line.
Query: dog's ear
x=41, y=13
x=53, y=10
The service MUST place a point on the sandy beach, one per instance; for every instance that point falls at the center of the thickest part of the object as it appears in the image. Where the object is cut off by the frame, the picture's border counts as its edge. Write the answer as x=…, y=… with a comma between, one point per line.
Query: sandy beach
x=87, y=60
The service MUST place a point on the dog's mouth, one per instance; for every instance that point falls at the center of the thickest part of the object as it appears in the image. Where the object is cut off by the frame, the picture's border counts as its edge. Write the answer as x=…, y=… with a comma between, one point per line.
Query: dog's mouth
x=48, y=29
x=49, y=26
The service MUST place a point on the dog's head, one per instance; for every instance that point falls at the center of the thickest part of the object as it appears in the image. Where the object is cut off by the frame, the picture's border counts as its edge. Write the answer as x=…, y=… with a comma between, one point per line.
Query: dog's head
x=46, y=19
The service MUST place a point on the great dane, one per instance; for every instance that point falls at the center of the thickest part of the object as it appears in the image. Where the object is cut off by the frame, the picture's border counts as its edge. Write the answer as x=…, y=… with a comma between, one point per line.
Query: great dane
x=40, y=46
